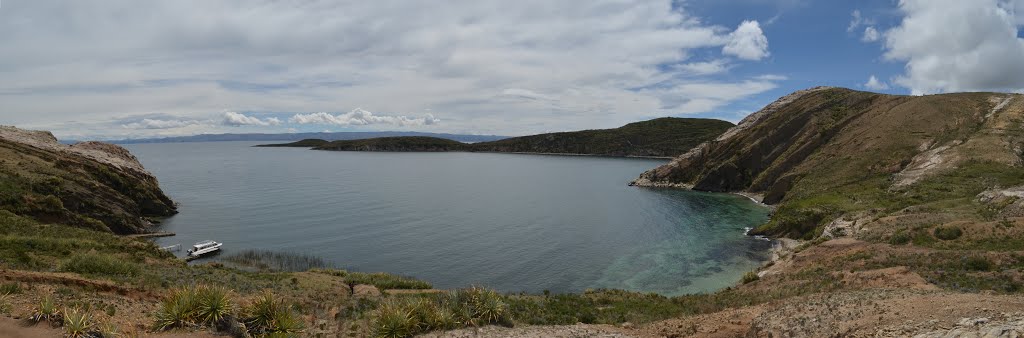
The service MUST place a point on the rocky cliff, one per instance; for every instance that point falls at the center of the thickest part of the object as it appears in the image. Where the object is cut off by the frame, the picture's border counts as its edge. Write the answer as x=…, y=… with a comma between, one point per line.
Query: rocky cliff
x=90, y=184
x=826, y=153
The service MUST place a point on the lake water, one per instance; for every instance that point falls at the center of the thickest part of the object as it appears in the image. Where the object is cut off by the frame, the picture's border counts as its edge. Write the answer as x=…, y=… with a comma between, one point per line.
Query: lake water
x=507, y=221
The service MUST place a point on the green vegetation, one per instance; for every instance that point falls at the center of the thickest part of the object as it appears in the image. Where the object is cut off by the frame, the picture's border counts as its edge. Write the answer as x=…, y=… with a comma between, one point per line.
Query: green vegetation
x=100, y=265
x=276, y=261
x=948, y=233
x=380, y=280
x=750, y=277
x=267, y=315
x=307, y=143
x=78, y=324
x=58, y=187
x=46, y=311
x=397, y=143
x=197, y=305
x=662, y=137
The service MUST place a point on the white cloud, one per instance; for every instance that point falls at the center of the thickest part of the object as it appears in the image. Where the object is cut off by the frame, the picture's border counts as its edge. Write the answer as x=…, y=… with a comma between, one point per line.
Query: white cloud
x=747, y=42
x=585, y=59
x=159, y=124
x=870, y=34
x=856, y=21
x=237, y=119
x=771, y=77
x=361, y=117
x=704, y=67
x=874, y=84
x=954, y=45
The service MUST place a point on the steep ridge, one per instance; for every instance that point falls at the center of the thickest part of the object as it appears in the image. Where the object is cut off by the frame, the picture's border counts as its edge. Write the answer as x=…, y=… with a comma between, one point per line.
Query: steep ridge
x=90, y=184
x=661, y=137
x=823, y=153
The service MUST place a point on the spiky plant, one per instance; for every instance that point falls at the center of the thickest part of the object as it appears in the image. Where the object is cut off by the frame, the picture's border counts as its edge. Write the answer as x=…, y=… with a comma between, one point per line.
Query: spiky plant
x=267, y=315
x=214, y=305
x=78, y=324
x=394, y=320
x=179, y=309
x=46, y=311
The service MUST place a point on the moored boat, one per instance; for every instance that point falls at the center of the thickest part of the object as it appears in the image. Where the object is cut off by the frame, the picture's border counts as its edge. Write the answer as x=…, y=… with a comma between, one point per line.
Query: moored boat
x=203, y=248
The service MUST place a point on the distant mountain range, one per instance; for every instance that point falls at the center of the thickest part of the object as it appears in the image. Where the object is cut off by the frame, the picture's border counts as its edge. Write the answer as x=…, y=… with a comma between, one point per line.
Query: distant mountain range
x=355, y=135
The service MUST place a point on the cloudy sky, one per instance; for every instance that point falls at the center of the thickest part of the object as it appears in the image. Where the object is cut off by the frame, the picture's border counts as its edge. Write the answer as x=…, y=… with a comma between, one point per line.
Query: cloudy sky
x=126, y=68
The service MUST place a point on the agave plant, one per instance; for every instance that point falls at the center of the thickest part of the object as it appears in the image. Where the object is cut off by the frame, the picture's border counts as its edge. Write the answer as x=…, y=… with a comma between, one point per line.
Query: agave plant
x=78, y=324
x=179, y=309
x=394, y=320
x=214, y=305
x=267, y=315
x=46, y=311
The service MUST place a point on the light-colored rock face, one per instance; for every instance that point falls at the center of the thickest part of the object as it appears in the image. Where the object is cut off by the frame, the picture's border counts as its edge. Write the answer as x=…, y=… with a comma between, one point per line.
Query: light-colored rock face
x=102, y=152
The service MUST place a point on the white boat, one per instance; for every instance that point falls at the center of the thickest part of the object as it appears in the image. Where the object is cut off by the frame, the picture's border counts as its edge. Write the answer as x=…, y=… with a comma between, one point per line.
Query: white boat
x=203, y=248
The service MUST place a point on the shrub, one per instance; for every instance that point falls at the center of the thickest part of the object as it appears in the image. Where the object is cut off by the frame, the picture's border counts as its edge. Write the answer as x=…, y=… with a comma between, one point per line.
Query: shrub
x=5, y=303
x=78, y=324
x=46, y=311
x=380, y=280
x=10, y=288
x=750, y=277
x=948, y=233
x=215, y=307
x=177, y=310
x=977, y=263
x=266, y=315
x=394, y=320
x=198, y=305
x=900, y=238
x=100, y=264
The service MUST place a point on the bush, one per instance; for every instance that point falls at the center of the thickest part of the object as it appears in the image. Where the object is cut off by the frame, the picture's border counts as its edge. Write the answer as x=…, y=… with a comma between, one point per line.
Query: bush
x=100, y=264
x=948, y=233
x=900, y=238
x=78, y=324
x=5, y=303
x=46, y=311
x=977, y=263
x=750, y=277
x=199, y=305
x=395, y=320
x=267, y=315
x=10, y=288
x=380, y=280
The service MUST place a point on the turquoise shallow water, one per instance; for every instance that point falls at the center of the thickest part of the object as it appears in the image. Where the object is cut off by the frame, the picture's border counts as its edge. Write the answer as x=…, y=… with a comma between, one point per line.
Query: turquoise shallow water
x=506, y=221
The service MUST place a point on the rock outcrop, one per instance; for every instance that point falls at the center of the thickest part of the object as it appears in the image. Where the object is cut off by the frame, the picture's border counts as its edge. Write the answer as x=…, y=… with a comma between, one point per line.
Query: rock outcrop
x=854, y=150
x=90, y=184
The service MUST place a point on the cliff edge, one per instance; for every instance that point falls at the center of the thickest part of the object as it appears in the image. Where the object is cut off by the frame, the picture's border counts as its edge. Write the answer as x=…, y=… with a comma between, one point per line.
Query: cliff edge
x=89, y=184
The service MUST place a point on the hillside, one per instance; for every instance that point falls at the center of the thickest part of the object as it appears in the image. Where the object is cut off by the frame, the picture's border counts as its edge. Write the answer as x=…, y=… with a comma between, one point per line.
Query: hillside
x=92, y=185
x=662, y=137
x=400, y=143
x=832, y=155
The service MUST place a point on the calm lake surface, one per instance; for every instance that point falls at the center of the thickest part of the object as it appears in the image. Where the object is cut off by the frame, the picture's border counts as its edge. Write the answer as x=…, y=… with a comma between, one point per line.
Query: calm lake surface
x=506, y=221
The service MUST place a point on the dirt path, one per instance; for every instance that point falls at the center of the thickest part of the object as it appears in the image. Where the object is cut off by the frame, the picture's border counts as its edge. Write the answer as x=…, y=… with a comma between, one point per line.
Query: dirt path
x=12, y=328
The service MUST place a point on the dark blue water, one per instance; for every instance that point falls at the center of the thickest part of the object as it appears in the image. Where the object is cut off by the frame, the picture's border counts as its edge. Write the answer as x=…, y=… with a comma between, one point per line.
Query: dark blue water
x=511, y=222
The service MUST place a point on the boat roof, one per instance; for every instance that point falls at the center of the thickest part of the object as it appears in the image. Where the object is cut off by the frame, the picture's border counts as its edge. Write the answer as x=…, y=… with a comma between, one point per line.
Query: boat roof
x=206, y=242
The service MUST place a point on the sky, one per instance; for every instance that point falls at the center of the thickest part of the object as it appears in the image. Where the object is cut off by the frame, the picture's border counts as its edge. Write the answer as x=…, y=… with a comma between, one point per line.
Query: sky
x=130, y=69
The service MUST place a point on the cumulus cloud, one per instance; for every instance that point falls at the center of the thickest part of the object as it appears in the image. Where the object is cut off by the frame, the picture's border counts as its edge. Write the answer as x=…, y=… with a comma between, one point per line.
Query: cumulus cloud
x=159, y=124
x=953, y=45
x=234, y=119
x=747, y=42
x=870, y=34
x=874, y=84
x=586, y=57
x=361, y=117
